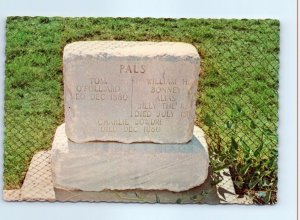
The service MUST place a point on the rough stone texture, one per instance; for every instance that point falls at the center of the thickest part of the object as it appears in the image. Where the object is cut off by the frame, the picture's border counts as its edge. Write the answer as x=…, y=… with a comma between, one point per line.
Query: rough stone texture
x=206, y=193
x=98, y=166
x=130, y=91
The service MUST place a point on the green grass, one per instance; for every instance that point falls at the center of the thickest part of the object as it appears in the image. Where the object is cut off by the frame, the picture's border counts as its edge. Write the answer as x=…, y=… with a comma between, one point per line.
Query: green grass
x=238, y=98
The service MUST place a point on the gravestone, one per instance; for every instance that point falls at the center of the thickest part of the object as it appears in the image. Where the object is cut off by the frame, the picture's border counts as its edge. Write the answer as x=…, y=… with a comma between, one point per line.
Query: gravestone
x=130, y=91
x=129, y=118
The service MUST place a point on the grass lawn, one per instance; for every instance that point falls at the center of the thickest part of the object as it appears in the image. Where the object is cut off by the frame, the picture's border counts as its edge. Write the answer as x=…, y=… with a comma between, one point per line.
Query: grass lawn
x=238, y=88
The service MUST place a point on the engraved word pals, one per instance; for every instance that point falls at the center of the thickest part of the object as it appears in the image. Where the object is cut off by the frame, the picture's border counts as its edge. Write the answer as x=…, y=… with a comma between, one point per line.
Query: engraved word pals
x=132, y=68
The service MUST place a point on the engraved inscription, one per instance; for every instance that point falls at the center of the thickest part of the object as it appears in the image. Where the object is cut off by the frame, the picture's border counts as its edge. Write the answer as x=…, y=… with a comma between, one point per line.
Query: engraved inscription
x=99, y=89
x=147, y=115
x=132, y=68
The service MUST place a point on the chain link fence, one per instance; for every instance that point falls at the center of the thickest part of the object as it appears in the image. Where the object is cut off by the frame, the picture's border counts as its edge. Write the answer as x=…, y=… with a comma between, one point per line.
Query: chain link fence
x=237, y=106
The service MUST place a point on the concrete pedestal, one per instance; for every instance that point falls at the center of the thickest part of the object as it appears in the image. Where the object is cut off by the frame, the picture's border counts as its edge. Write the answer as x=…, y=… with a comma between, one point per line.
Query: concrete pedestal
x=99, y=166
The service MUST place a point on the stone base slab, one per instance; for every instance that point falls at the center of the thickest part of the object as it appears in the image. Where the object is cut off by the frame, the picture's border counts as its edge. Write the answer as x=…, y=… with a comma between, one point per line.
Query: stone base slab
x=206, y=193
x=98, y=166
x=37, y=179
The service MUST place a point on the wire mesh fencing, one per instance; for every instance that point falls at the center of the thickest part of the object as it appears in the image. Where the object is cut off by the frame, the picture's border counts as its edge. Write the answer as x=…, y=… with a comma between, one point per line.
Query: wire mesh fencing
x=237, y=103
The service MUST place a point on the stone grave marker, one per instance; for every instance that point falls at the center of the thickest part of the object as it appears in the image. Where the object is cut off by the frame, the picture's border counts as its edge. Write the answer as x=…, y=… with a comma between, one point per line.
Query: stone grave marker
x=129, y=118
x=130, y=91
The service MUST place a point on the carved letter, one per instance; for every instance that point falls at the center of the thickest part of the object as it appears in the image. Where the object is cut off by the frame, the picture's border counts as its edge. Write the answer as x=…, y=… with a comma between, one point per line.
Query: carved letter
x=134, y=69
x=128, y=69
x=143, y=69
x=121, y=68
